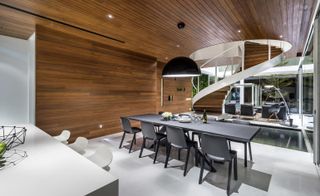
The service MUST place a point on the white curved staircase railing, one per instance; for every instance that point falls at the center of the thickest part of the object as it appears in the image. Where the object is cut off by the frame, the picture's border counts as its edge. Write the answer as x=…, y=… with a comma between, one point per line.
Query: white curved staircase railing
x=233, y=49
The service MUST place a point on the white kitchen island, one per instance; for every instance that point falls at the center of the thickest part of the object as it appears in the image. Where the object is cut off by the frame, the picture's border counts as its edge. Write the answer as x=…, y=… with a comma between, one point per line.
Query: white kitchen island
x=53, y=169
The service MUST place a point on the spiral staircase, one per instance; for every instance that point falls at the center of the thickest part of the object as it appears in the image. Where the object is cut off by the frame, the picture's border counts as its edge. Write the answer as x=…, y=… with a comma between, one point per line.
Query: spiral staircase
x=251, y=57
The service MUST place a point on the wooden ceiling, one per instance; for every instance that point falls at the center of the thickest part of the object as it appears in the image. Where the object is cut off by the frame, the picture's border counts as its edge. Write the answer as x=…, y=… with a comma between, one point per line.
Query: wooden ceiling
x=149, y=26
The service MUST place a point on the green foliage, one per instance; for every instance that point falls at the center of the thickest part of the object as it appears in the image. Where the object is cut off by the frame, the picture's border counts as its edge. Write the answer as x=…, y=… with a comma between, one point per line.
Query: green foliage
x=3, y=148
x=203, y=83
x=278, y=82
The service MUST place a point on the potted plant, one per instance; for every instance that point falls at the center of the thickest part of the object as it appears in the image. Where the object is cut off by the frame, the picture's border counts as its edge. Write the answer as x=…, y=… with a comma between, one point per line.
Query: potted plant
x=166, y=115
x=3, y=148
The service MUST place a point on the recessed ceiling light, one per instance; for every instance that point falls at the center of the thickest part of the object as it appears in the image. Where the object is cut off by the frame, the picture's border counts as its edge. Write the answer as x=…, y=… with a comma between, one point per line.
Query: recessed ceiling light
x=281, y=36
x=109, y=16
x=181, y=25
x=239, y=31
x=178, y=46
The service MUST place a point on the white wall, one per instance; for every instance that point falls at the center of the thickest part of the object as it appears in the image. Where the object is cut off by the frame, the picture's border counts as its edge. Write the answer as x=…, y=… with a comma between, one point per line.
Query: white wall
x=32, y=78
x=17, y=67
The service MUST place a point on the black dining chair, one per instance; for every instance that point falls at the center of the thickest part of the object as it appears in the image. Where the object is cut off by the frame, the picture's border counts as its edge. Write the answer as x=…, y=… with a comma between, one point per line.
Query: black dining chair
x=160, y=128
x=149, y=133
x=126, y=128
x=216, y=149
x=243, y=122
x=176, y=138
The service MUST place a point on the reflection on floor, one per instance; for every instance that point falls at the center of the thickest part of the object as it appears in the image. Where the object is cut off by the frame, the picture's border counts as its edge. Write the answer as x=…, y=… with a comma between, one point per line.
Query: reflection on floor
x=284, y=138
x=274, y=133
x=274, y=171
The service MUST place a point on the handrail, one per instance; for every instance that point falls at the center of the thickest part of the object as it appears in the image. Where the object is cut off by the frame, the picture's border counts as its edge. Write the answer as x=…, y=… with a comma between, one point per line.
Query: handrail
x=225, y=71
x=193, y=83
x=232, y=71
x=215, y=51
x=237, y=68
x=216, y=56
x=218, y=49
x=237, y=77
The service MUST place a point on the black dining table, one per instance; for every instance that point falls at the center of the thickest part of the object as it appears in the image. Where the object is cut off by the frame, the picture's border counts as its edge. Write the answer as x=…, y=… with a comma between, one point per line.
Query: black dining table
x=234, y=132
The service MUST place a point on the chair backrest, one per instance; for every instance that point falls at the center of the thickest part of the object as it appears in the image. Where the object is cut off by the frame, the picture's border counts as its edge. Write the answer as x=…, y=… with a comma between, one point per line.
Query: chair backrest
x=282, y=114
x=64, y=136
x=246, y=110
x=230, y=108
x=274, y=108
x=148, y=130
x=126, y=126
x=215, y=147
x=82, y=141
x=80, y=145
x=176, y=137
x=265, y=111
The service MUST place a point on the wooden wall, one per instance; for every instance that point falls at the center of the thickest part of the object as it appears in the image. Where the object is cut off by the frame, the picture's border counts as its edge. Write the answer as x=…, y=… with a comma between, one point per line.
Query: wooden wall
x=82, y=84
x=179, y=89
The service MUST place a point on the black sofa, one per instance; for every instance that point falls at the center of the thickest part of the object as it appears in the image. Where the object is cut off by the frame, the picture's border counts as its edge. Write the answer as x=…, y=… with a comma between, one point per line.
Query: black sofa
x=230, y=108
x=247, y=110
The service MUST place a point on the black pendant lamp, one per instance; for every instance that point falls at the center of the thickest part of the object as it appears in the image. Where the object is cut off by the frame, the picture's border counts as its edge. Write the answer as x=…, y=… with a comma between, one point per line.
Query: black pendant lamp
x=181, y=67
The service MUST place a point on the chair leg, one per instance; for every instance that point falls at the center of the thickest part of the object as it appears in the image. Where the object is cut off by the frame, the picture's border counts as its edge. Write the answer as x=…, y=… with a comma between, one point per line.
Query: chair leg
x=201, y=170
x=179, y=154
x=186, y=132
x=196, y=154
x=229, y=177
x=168, y=155
x=235, y=167
x=157, y=127
x=132, y=141
x=250, y=152
x=124, y=134
x=142, y=146
x=186, y=163
x=157, y=149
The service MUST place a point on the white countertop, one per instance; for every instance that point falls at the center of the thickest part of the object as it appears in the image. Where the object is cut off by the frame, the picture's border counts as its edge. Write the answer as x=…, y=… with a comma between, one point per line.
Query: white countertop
x=51, y=169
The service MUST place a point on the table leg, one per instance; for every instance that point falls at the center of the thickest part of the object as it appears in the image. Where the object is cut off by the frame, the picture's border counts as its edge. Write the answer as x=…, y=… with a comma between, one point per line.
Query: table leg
x=245, y=155
x=212, y=169
x=250, y=152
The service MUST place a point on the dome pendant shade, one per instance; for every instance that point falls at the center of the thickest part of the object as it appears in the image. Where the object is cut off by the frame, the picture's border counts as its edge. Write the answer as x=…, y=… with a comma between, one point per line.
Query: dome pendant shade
x=181, y=67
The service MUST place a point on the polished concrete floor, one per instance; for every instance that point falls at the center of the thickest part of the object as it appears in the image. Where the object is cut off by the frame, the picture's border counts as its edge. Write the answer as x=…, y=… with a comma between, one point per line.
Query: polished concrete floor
x=274, y=171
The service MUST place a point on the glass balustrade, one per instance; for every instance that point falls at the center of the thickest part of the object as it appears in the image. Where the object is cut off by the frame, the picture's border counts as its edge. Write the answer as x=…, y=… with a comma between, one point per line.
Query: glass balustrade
x=211, y=75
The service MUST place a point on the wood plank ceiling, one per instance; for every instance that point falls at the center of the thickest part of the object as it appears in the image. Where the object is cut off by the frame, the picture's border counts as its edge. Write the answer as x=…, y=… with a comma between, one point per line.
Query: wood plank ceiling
x=149, y=26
